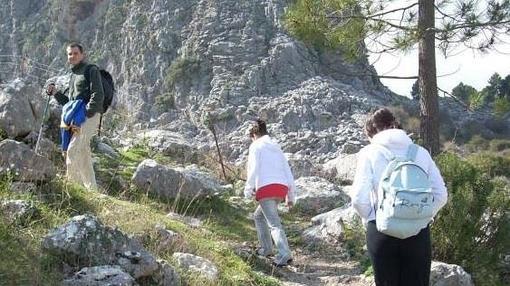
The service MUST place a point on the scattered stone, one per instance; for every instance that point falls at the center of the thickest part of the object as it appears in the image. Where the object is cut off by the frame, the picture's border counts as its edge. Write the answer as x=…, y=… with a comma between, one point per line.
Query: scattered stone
x=22, y=187
x=166, y=275
x=18, y=211
x=84, y=241
x=18, y=160
x=190, y=221
x=316, y=195
x=329, y=227
x=196, y=264
x=442, y=274
x=167, y=238
x=100, y=276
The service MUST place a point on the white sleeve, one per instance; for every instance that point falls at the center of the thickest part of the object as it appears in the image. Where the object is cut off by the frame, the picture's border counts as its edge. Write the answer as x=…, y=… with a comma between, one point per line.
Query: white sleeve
x=438, y=186
x=362, y=186
x=251, y=166
x=291, y=195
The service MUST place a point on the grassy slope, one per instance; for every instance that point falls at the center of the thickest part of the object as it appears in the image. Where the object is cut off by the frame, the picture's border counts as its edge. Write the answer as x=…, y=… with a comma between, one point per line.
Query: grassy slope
x=23, y=263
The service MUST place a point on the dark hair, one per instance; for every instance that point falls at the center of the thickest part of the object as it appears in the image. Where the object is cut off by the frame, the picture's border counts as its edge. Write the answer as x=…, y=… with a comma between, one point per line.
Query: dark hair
x=258, y=128
x=380, y=120
x=76, y=45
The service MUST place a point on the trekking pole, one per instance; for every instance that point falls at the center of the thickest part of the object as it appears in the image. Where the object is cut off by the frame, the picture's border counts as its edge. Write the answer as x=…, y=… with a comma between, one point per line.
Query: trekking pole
x=213, y=130
x=99, y=127
x=42, y=122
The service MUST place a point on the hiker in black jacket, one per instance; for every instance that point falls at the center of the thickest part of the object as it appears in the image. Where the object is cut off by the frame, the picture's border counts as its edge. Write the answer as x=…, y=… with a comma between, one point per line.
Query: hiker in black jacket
x=85, y=84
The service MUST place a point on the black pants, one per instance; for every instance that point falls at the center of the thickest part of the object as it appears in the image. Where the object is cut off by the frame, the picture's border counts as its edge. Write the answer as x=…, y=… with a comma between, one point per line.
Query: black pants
x=399, y=262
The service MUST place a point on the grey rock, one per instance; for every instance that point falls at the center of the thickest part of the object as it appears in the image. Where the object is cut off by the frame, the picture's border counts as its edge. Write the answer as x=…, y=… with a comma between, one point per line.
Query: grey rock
x=171, y=144
x=189, y=182
x=106, y=275
x=18, y=211
x=329, y=227
x=84, y=241
x=22, y=187
x=316, y=195
x=196, y=264
x=21, y=108
x=47, y=148
x=442, y=274
x=301, y=166
x=166, y=275
x=342, y=168
x=191, y=221
x=167, y=238
x=17, y=159
x=106, y=149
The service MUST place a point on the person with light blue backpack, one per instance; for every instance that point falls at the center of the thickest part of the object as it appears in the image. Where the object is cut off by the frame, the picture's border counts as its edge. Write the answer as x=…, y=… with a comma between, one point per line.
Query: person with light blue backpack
x=397, y=191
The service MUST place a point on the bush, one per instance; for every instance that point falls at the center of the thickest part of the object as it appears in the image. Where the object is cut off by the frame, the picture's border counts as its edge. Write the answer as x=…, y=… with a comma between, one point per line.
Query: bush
x=477, y=143
x=472, y=230
x=498, y=145
x=490, y=164
x=181, y=70
x=501, y=106
x=165, y=101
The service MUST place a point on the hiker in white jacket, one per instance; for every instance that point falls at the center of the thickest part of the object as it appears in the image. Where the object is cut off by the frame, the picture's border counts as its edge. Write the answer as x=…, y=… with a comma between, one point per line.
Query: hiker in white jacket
x=395, y=261
x=270, y=182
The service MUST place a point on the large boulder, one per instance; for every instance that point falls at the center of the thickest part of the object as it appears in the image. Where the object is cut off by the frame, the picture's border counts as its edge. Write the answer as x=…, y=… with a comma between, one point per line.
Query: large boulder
x=316, y=195
x=442, y=274
x=330, y=227
x=84, y=241
x=167, y=182
x=342, y=168
x=100, y=276
x=171, y=144
x=196, y=264
x=47, y=148
x=24, y=164
x=301, y=166
x=21, y=108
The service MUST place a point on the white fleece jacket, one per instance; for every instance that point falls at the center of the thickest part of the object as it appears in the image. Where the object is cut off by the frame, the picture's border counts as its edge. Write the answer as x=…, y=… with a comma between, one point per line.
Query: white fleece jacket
x=267, y=165
x=371, y=165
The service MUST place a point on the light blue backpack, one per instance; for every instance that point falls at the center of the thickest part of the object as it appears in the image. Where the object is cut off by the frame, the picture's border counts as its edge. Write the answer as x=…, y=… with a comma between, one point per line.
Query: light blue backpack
x=405, y=199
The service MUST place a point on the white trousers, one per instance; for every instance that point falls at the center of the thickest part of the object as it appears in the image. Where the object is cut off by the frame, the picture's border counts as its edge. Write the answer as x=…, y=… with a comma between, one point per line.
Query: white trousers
x=269, y=229
x=79, y=157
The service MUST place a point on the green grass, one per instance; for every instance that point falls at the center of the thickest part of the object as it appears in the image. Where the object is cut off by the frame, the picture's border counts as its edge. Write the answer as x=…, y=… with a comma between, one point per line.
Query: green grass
x=135, y=213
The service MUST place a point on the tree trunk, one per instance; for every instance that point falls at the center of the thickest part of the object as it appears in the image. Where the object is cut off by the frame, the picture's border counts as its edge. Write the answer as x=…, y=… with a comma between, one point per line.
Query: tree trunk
x=429, y=105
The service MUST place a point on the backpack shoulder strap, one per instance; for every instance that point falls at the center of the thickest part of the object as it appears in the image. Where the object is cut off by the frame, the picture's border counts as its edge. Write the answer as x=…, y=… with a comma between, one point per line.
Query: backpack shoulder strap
x=86, y=74
x=412, y=150
x=388, y=155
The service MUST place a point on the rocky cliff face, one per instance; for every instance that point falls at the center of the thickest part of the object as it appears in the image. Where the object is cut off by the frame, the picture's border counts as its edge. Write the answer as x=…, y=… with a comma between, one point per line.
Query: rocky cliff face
x=180, y=64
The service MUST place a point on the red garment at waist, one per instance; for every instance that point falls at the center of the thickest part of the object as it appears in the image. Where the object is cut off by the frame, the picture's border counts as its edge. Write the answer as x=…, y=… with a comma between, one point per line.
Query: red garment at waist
x=272, y=191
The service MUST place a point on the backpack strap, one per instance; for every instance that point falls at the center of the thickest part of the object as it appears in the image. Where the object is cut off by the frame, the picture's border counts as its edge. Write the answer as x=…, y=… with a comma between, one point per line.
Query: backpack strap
x=86, y=74
x=412, y=150
x=388, y=155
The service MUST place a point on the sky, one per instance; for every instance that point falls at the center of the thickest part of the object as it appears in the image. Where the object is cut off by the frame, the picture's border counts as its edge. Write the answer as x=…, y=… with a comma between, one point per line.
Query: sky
x=469, y=67
x=466, y=66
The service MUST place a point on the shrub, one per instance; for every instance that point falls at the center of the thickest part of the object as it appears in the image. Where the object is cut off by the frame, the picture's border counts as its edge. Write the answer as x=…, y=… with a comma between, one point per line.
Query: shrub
x=165, y=101
x=501, y=106
x=181, y=70
x=490, y=164
x=498, y=145
x=472, y=229
x=477, y=143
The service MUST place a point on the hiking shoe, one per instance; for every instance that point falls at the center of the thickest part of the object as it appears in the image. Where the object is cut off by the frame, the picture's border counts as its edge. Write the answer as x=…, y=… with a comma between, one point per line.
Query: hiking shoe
x=262, y=252
x=282, y=262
